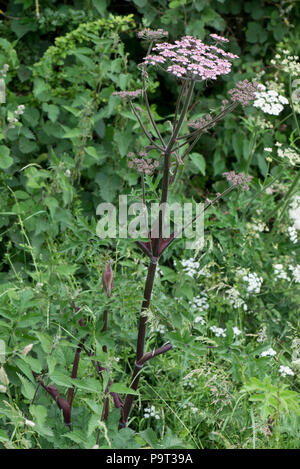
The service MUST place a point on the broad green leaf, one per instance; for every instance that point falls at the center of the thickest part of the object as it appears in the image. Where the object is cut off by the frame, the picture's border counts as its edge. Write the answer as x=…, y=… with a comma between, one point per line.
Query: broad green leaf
x=27, y=388
x=5, y=160
x=198, y=161
x=122, y=389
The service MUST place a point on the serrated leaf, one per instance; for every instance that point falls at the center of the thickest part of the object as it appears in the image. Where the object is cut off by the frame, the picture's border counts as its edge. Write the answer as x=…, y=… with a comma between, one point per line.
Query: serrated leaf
x=27, y=388
x=122, y=389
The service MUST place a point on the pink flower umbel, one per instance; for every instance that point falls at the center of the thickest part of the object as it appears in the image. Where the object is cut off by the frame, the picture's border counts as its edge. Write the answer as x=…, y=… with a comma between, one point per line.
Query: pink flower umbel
x=191, y=59
x=238, y=179
x=108, y=280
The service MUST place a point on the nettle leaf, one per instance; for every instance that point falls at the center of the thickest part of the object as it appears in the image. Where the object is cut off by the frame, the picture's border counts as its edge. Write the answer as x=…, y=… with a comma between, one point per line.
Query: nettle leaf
x=39, y=413
x=143, y=3
x=61, y=379
x=45, y=341
x=122, y=389
x=27, y=133
x=5, y=160
x=109, y=185
x=41, y=90
x=77, y=436
x=23, y=73
x=27, y=388
x=31, y=116
x=25, y=368
x=72, y=133
x=51, y=110
x=123, y=139
x=27, y=146
x=199, y=162
x=100, y=6
x=66, y=269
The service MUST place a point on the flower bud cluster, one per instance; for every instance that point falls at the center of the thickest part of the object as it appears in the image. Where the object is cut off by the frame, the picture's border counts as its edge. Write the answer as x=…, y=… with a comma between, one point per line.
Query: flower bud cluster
x=143, y=164
x=15, y=118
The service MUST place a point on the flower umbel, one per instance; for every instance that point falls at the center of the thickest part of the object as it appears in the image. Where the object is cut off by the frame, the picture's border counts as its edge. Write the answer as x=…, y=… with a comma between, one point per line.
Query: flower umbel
x=190, y=58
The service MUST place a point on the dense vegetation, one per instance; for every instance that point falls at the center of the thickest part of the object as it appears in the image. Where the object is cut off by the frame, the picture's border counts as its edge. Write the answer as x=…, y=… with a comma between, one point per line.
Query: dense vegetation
x=230, y=310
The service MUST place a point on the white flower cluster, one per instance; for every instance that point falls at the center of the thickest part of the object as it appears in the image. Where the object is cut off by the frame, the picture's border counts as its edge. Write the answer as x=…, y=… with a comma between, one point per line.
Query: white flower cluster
x=200, y=320
x=293, y=234
x=270, y=101
x=189, y=405
x=280, y=273
x=295, y=273
x=151, y=412
x=189, y=382
x=285, y=370
x=190, y=266
x=289, y=63
x=235, y=299
x=294, y=211
x=268, y=353
x=218, y=331
x=159, y=328
x=254, y=282
x=12, y=120
x=288, y=154
x=4, y=70
x=200, y=302
x=236, y=332
x=262, y=335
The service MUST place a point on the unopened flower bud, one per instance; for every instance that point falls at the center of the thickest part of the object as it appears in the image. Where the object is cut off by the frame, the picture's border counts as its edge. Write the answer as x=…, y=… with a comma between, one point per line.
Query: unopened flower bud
x=108, y=280
x=30, y=423
x=26, y=349
x=3, y=377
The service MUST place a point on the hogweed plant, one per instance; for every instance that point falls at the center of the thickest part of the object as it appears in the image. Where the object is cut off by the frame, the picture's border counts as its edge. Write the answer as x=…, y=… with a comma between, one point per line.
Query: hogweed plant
x=188, y=60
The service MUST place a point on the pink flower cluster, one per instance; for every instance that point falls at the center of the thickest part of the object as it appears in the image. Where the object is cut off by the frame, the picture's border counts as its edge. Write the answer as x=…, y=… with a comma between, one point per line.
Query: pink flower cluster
x=201, y=122
x=127, y=95
x=218, y=38
x=190, y=58
x=238, y=179
x=243, y=92
x=143, y=164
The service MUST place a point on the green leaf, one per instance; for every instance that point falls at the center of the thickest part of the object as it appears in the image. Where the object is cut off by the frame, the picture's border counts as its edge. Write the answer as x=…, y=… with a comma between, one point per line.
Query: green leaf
x=140, y=3
x=66, y=269
x=27, y=388
x=72, y=133
x=61, y=379
x=5, y=160
x=122, y=389
x=199, y=162
x=52, y=111
x=41, y=89
x=27, y=146
x=45, y=340
x=100, y=6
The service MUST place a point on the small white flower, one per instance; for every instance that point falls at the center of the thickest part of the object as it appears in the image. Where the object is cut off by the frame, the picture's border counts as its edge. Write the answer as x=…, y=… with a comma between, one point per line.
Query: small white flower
x=268, y=149
x=236, y=331
x=268, y=353
x=285, y=370
x=151, y=412
x=218, y=331
x=199, y=319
